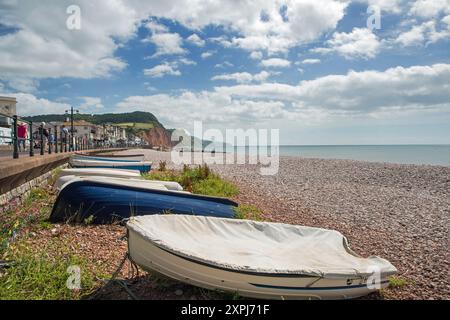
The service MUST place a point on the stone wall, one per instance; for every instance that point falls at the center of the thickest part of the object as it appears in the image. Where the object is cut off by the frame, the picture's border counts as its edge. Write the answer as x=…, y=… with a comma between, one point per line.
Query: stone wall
x=17, y=195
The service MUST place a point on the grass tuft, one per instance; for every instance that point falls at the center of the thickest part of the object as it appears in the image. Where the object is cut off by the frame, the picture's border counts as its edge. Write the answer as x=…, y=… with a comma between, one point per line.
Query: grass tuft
x=36, y=276
x=245, y=211
x=397, y=282
x=199, y=180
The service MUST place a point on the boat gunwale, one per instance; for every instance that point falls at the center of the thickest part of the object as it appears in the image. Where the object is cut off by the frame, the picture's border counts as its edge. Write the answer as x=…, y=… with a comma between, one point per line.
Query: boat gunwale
x=294, y=274
x=110, y=155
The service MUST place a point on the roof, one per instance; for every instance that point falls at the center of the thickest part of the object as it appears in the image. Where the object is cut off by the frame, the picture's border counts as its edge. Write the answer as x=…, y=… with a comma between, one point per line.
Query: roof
x=11, y=99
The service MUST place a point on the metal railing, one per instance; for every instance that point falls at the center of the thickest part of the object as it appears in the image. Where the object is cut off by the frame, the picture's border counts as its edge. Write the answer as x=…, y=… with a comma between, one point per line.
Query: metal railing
x=49, y=139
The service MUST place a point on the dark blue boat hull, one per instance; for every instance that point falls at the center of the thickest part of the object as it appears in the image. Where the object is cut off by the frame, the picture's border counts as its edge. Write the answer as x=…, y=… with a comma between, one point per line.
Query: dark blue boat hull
x=117, y=165
x=102, y=203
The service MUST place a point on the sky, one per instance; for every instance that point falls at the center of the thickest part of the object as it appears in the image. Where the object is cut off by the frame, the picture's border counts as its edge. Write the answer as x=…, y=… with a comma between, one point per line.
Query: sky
x=321, y=71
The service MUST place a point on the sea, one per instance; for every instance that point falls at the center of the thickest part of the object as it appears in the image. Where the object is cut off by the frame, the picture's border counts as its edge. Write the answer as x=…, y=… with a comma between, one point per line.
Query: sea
x=403, y=154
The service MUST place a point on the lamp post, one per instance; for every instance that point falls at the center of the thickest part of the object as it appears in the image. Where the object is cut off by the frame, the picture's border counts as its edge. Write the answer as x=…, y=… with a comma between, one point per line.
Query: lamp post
x=71, y=147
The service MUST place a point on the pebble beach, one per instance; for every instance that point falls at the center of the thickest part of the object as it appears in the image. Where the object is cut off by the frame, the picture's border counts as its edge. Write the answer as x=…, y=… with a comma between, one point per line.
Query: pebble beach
x=398, y=212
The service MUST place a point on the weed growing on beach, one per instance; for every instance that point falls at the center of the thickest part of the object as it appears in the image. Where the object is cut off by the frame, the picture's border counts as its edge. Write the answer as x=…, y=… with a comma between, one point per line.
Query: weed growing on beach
x=200, y=180
x=37, y=276
x=397, y=282
x=245, y=211
x=89, y=220
x=162, y=166
x=34, y=209
x=54, y=176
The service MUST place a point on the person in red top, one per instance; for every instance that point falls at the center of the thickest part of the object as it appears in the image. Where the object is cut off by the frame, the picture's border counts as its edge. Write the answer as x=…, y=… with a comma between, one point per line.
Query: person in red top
x=22, y=135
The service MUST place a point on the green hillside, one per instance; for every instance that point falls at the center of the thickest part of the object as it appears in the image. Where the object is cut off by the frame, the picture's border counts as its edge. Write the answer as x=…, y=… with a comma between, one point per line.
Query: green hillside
x=143, y=120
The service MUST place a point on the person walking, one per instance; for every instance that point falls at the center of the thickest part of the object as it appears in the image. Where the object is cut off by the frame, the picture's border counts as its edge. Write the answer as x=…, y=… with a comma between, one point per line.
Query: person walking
x=44, y=133
x=22, y=135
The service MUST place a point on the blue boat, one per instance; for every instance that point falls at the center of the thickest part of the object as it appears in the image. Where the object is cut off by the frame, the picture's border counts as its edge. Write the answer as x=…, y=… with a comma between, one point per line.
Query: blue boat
x=102, y=159
x=142, y=166
x=101, y=203
x=111, y=157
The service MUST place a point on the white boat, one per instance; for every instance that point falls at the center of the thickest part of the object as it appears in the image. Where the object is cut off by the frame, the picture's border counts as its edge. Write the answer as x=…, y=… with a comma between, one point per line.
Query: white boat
x=254, y=259
x=142, y=166
x=62, y=182
x=169, y=185
x=111, y=157
x=105, y=172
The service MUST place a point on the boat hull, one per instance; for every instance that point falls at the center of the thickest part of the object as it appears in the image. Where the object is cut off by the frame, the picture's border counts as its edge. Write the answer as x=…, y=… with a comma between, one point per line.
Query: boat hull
x=140, y=166
x=169, y=185
x=112, y=157
x=107, y=203
x=150, y=257
x=107, y=172
x=107, y=159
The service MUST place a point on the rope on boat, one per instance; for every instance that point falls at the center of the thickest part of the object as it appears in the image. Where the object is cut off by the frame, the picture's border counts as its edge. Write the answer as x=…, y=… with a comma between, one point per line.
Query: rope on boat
x=133, y=271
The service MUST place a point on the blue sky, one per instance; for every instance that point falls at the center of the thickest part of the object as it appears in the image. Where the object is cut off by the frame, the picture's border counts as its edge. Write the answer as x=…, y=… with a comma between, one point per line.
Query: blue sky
x=312, y=69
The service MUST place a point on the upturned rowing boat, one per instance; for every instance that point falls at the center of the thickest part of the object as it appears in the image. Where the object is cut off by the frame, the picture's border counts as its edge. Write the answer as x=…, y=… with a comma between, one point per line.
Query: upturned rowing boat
x=107, y=202
x=143, y=166
x=169, y=185
x=124, y=158
x=254, y=259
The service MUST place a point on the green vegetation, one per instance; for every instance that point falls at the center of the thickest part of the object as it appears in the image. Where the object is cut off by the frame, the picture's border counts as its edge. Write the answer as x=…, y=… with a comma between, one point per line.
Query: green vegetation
x=200, y=180
x=40, y=277
x=245, y=211
x=138, y=117
x=54, y=176
x=397, y=282
x=137, y=125
x=35, y=209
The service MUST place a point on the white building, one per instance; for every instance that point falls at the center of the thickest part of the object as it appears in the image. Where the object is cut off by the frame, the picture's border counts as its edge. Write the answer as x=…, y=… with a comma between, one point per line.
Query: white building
x=7, y=108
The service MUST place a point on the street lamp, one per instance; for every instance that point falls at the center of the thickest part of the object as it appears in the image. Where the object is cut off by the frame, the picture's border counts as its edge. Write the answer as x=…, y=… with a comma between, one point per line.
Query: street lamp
x=71, y=126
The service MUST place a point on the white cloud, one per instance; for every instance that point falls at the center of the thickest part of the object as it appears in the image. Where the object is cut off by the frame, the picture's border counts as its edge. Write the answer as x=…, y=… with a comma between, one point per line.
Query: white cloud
x=430, y=8
x=360, y=43
x=207, y=54
x=395, y=92
x=106, y=26
x=304, y=20
x=29, y=105
x=391, y=6
x=195, y=40
x=42, y=46
x=23, y=84
x=186, y=61
x=243, y=77
x=425, y=33
x=211, y=107
x=366, y=92
x=162, y=70
x=256, y=55
x=166, y=43
x=275, y=63
x=224, y=64
x=91, y=103
x=311, y=61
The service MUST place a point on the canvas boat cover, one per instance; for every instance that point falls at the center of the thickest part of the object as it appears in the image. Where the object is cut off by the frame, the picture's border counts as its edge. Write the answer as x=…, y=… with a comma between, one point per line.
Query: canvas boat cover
x=168, y=185
x=100, y=171
x=66, y=180
x=261, y=247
